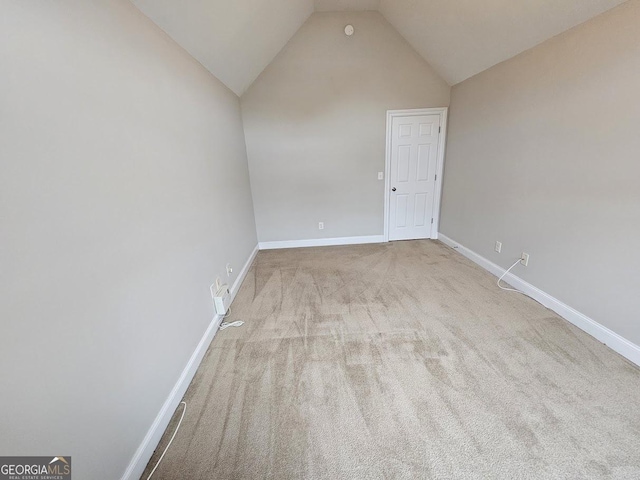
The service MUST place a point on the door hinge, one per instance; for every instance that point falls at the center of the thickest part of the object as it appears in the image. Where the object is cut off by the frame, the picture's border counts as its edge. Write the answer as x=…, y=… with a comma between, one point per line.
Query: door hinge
x=432, y=221
x=439, y=129
x=436, y=177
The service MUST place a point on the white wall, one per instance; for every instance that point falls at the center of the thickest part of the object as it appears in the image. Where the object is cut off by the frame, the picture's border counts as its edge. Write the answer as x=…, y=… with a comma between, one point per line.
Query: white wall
x=315, y=125
x=543, y=155
x=124, y=191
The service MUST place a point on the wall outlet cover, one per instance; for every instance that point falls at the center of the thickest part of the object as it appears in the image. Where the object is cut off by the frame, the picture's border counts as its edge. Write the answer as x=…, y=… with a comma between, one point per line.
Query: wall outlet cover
x=222, y=300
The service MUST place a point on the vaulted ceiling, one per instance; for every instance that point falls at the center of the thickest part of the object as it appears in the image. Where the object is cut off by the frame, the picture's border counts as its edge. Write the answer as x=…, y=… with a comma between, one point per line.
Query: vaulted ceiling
x=236, y=39
x=460, y=38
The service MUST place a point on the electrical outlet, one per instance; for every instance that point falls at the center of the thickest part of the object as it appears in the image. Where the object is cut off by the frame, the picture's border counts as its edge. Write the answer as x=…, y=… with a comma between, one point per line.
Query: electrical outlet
x=524, y=259
x=498, y=247
x=320, y=225
x=229, y=270
x=222, y=300
x=380, y=175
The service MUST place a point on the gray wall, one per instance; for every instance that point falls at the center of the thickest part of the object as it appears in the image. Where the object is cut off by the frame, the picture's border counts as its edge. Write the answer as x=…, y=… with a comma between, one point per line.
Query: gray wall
x=544, y=155
x=315, y=125
x=124, y=191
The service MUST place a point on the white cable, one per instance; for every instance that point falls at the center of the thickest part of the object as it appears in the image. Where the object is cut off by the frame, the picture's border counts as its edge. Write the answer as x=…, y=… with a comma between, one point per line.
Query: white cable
x=172, y=437
x=237, y=323
x=505, y=274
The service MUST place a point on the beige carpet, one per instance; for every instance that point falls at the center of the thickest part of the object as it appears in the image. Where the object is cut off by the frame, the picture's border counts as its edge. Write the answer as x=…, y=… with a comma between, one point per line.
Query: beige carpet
x=401, y=361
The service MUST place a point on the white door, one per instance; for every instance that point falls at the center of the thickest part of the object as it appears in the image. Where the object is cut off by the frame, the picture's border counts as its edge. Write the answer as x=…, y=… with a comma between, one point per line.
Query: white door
x=413, y=164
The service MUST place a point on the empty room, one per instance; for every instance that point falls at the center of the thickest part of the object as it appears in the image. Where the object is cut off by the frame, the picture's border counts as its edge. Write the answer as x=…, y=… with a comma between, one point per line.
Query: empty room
x=319, y=239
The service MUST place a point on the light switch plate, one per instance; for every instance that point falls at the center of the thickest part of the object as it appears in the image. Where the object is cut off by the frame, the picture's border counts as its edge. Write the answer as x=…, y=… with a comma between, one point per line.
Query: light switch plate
x=380, y=175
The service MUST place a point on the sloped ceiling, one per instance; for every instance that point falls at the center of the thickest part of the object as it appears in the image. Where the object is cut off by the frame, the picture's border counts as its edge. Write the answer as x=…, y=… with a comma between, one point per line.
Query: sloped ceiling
x=236, y=39
x=460, y=38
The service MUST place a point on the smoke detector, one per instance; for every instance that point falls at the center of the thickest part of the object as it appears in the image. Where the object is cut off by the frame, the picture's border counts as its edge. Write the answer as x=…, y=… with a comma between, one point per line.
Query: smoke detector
x=348, y=30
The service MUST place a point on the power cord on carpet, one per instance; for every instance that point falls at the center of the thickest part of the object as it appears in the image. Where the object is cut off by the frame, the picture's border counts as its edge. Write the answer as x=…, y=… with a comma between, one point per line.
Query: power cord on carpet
x=237, y=323
x=505, y=274
x=172, y=437
x=224, y=325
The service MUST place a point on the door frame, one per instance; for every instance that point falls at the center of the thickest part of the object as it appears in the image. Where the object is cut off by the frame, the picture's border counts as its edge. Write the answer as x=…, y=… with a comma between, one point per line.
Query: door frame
x=391, y=114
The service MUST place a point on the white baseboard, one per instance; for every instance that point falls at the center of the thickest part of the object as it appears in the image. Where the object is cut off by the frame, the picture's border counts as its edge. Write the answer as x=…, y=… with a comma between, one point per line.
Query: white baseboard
x=321, y=242
x=243, y=273
x=610, y=338
x=154, y=434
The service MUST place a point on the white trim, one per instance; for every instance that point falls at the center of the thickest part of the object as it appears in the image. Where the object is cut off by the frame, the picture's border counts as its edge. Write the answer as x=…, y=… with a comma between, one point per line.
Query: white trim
x=614, y=341
x=321, y=242
x=391, y=114
x=154, y=434
x=243, y=273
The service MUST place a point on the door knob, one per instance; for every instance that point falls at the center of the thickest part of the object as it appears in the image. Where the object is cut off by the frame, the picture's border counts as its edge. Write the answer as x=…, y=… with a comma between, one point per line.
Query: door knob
x=393, y=189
